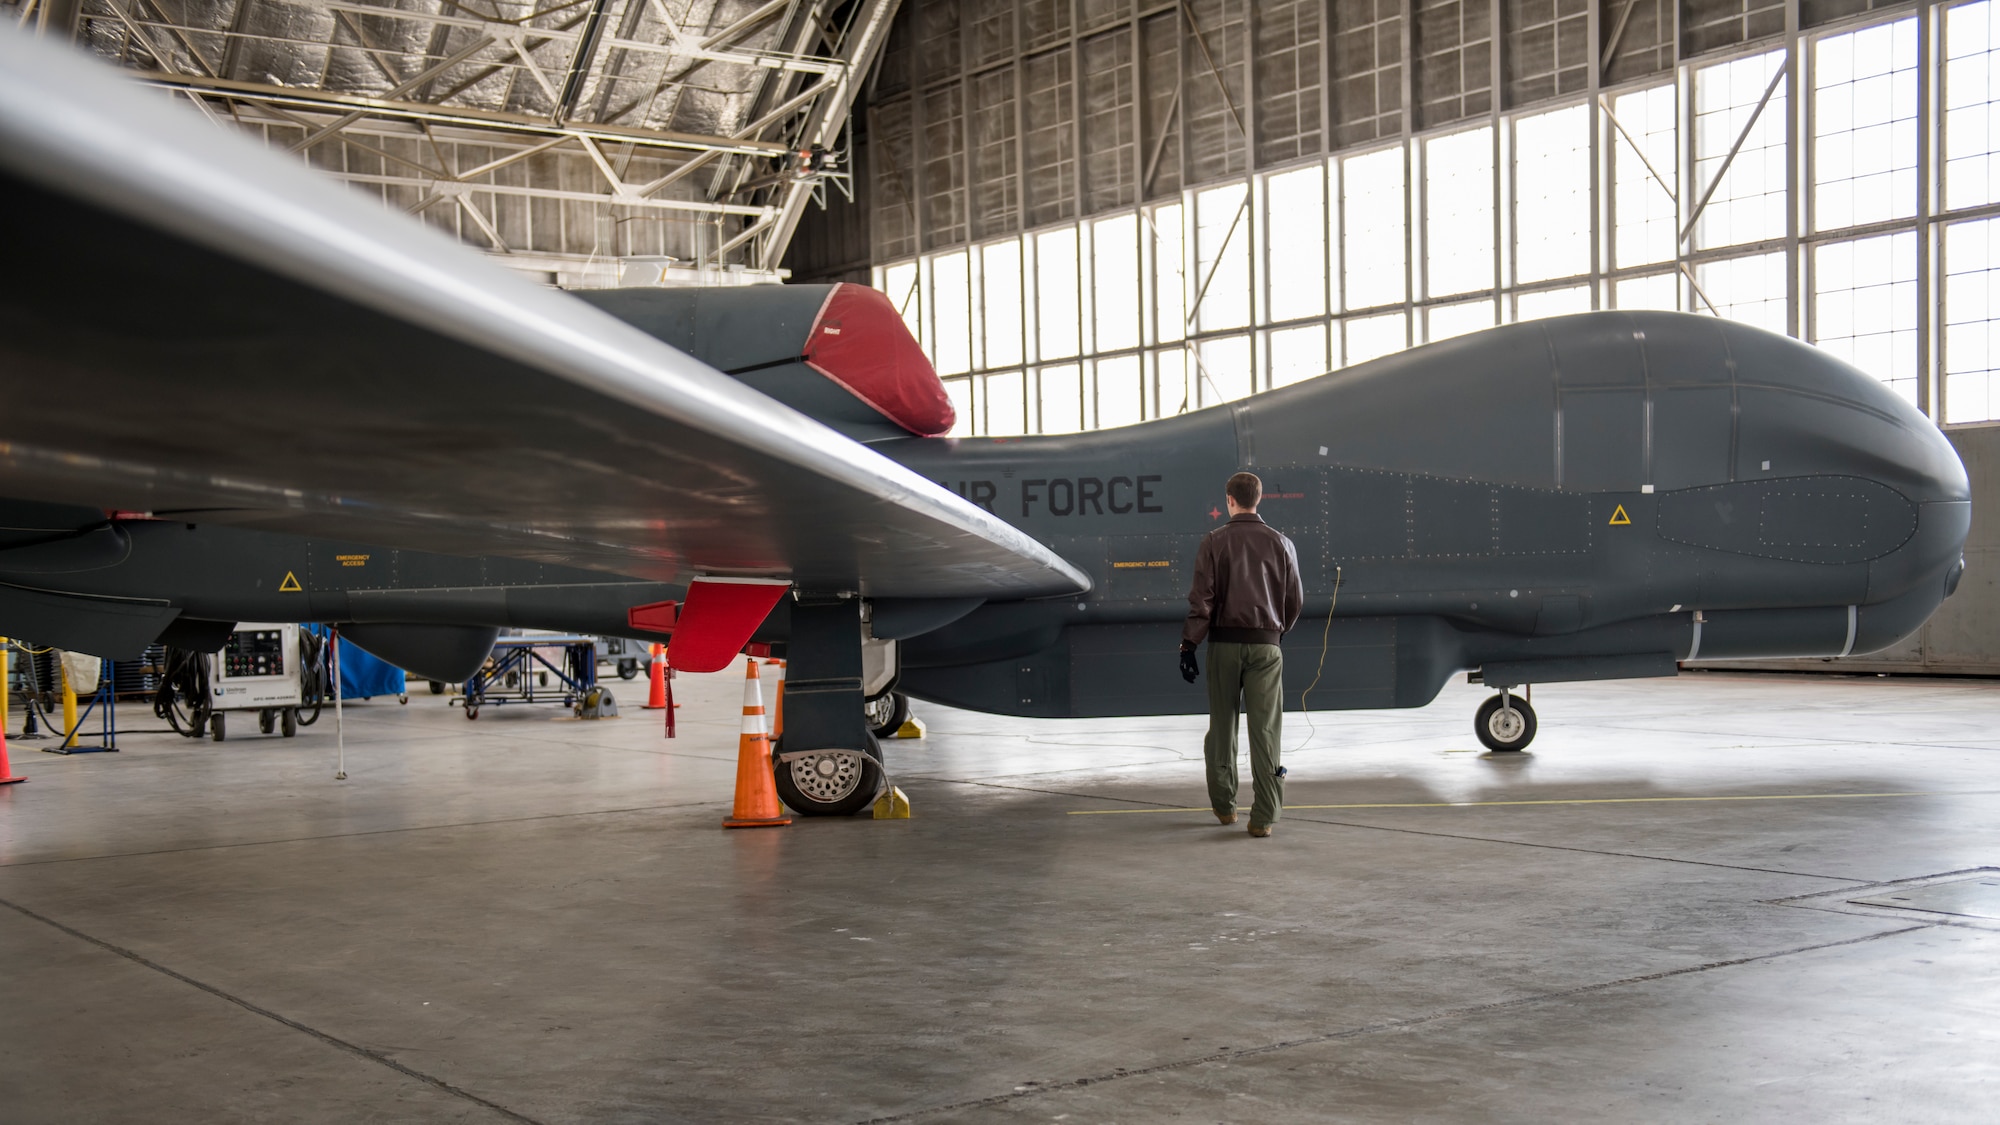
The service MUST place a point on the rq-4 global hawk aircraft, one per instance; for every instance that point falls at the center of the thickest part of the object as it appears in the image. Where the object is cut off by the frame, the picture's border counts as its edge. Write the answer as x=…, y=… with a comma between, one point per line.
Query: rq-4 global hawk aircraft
x=235, y=391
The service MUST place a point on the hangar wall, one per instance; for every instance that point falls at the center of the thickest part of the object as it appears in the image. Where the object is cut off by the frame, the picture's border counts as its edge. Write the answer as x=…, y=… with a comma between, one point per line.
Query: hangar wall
x=1098, y=211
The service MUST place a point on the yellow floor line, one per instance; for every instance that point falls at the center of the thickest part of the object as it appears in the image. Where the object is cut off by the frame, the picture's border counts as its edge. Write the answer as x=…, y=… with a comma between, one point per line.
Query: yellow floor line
x=1556, y=801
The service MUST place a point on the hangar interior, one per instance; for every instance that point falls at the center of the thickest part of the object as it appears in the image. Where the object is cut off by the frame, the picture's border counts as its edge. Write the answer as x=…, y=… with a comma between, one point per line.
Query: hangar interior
x=1757, y=890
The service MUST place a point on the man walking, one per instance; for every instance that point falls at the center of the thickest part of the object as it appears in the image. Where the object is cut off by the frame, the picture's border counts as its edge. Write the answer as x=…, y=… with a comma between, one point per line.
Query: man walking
x=1246, y=596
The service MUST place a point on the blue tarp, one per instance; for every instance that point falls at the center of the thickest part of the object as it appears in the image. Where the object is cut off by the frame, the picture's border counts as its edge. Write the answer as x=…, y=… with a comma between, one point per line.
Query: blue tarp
x=364, y=676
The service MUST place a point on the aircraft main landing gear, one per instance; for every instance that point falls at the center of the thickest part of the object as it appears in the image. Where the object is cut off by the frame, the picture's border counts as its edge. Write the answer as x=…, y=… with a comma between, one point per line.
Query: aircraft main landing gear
x=1505, y=723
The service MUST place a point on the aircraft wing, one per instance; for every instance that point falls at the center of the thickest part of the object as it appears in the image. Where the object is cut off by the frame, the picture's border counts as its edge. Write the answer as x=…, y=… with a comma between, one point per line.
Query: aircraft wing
x=193, y=324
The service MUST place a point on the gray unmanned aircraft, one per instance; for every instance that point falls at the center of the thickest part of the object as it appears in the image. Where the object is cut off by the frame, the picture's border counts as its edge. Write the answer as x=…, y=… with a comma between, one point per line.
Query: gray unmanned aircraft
x=234, y=391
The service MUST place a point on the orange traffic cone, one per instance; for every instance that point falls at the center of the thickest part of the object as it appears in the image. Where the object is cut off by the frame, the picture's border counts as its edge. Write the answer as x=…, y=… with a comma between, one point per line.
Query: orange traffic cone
x=656, y=698
x=756, y=791
x=778, y=707
x=7, y=774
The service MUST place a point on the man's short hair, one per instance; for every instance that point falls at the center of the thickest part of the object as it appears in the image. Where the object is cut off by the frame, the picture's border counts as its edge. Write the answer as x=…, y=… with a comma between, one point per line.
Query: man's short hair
x=1245, y=489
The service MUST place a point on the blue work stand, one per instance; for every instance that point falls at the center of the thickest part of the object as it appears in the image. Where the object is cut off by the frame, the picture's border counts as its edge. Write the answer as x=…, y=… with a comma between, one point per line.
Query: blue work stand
x=488, y=686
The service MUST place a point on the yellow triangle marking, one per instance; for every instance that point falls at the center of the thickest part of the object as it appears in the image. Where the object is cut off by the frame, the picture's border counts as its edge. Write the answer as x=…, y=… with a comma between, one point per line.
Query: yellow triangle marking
x=291, y=584
x=1619, y=517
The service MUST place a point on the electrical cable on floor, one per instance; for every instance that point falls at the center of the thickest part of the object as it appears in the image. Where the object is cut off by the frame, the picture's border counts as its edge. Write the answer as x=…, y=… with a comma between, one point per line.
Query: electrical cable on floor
x=1326, y=634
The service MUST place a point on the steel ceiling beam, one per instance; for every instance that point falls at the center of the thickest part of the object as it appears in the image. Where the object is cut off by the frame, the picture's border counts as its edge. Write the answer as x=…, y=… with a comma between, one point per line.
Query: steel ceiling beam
x=580, y=59
x=465, y=117
x=444, y=188
x=863, y=43
x=680, y=47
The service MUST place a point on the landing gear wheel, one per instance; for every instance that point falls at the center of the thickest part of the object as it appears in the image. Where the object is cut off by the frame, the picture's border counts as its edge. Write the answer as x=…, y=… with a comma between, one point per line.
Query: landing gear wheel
x=288, y=722
x=887, y=713
x=437, y=688
x=829, y=782
x=215, y=730
x=1505, y=723
x=627, y=669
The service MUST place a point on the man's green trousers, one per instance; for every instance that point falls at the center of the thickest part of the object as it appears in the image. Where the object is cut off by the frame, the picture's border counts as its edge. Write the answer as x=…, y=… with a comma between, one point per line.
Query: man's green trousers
x=1255, y=675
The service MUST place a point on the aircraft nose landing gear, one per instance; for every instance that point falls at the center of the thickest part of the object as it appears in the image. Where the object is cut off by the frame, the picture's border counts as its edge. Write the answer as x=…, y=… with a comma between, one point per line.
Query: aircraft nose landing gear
x=1505, y=722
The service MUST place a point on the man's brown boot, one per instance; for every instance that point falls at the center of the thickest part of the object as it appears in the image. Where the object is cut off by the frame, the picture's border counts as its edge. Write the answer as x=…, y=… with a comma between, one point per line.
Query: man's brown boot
x=1226, y=818
x=1260, y=830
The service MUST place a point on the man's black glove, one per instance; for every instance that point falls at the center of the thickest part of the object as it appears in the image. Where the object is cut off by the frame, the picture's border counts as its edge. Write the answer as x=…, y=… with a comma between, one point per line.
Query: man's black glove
x=1189, y=669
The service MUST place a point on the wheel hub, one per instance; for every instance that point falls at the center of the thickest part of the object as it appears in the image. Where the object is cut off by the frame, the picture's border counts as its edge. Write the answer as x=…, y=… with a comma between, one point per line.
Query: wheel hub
x=827, y=776
x=878, y=709
x=1506, y=724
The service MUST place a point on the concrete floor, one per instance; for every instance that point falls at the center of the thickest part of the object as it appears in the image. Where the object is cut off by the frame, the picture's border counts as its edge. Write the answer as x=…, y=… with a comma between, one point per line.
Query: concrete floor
x=532, y=918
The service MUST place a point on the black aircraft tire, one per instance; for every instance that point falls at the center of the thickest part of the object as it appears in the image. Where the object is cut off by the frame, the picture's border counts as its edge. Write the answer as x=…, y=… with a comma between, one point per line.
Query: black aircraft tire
x=837, y=788
x=627, y=669
x=887, y=713
x=288, y=722
x=437, y=688
x=1503, y=734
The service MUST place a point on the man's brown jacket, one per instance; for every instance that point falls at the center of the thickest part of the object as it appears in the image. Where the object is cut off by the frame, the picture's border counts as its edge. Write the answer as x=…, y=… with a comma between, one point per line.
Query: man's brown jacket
x=1246, y=585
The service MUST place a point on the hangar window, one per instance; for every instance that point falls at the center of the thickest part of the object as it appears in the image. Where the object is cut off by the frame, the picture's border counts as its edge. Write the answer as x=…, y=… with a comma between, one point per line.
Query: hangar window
x=1458, y=198
x=1114, y=289
x=1371, y=336
x=1169, y=273
x=1552, y=302
x=1972, y=105
x=1740, y=150
x=1865, y=126
x=1006, y=404
x=1121, y=398
x=1374, y=228
x=1865, y=306
x=1222, y=258
x=1295, y=354
x=1061, y=399
x=1646, y=176
x=1000, y=299
x=1446, y=321
x=1296, y=268
x=1226, y=373
x=1750, y=289
x=900, y=283
x=1552, y=197
x=960, y=391
x=1055, y=293
x=1171, y=395
x=1654, y=291
x=1972, y=321
x=951, y=297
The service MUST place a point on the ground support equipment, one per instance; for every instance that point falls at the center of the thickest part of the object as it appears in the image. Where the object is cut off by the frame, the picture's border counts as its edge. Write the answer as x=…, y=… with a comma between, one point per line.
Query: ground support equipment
x=518, y=672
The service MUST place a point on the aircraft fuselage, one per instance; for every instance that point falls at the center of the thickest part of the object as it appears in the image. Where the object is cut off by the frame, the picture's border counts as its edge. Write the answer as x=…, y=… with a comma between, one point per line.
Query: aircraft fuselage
x=1581, y=498
x=1588, y=497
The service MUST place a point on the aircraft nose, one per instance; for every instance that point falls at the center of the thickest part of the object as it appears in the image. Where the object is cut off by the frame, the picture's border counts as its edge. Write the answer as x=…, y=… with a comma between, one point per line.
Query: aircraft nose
x=1805, y=412
x=1863, y=473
